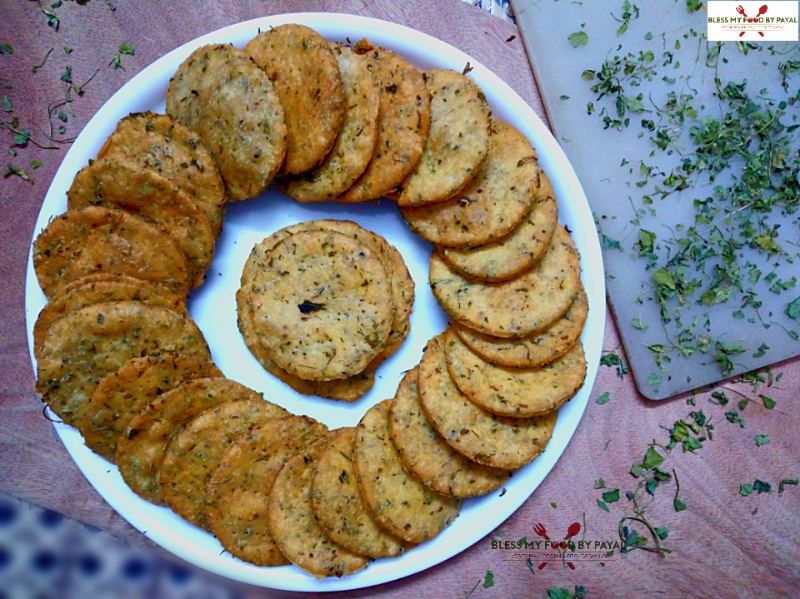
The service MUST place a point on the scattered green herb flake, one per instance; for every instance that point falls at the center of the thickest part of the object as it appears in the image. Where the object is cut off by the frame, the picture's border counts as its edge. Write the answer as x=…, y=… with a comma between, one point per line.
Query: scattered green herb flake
x=662, y=533
x=759, y=486
x=7, y=106
x=735, y=418
x=654, y=378
x=761, y=440
x=769, y=403
x=553, y=505
x=784, y=482
x=691, y=444
x=793, y=309
x=116, y=62
x=126, y=48
x=578, y=38
x=66, y=76
x=602, y=505
x=632, y=539
x=678, y=505
x=67, y=49
x=693, y=5
x=639, y=324
x=612, y=359
x=610, y=244
x=603, y=398
x=599, y=484
x=35, y=164
x=15, y=171
x=652, y=458
x=719, y=398
x=559, y=593
x=52, y=19
x=21, y=138
x=581, y=592
x=488, y=579
x=611, y=496
x=664, y=277
x=5, y=48
x=761, y=351
x=745, y=489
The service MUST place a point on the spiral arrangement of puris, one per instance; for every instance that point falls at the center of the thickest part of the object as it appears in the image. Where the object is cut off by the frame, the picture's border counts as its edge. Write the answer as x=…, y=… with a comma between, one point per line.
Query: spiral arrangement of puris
x=321, y=303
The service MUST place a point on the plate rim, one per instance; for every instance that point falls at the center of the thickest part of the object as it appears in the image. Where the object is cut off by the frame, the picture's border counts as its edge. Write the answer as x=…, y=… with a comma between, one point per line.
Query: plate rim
x=552, y=159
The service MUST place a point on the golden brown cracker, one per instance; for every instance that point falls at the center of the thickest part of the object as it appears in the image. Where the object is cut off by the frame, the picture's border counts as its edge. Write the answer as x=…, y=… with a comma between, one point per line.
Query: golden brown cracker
x=322, y=305
x=122, y=394
x=517, y=307
x=238, y=491
x=141, y=447
x=339, y=507
x=306, y=77
x=195, y=452
x=349, y=389
x=536, y=350
x=294, y=525
x=230, y=102
x=493, y=204
x=100, y=288
x=518, y=251
x=403, y=124
x=400, y=281
x=457, y=143
x=425, y=453
x=85, y=345
x=355, y=143
x=506, y=443
x=90, y=240
x=159, y=143
x=399, y=502
x=120, y=184
x=515, y=392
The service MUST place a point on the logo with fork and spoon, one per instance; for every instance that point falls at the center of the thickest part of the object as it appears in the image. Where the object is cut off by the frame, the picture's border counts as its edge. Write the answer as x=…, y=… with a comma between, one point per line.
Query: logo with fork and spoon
x=543, y=550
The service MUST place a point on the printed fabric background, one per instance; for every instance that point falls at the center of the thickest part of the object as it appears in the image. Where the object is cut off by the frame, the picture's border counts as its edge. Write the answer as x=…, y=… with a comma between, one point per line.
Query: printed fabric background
x=45, y=555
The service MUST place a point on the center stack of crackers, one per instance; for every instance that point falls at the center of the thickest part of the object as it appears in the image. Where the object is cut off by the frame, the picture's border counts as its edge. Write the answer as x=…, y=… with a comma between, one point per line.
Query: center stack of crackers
x=321, y=304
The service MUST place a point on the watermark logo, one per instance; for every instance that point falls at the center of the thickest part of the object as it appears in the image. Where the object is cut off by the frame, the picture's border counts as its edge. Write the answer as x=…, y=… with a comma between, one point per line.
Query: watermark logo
x=753, y=21
x=541, y=550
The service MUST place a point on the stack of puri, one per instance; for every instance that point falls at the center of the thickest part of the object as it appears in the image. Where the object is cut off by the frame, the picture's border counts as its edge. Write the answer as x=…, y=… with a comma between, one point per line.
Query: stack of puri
x=322, y=304
x=116, y=267
x=322, y=121
x=508, y=276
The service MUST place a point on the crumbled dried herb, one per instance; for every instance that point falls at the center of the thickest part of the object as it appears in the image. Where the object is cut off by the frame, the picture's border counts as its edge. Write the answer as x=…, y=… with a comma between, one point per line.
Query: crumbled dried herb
x=614, y=360
x=761, y=440
x=578, y=38
x=744, y=153
x=629, y=11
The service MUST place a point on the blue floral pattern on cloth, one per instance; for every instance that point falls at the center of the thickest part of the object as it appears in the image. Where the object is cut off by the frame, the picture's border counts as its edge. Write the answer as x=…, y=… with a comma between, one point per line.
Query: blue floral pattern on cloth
x=499, y=8
x=45, y=555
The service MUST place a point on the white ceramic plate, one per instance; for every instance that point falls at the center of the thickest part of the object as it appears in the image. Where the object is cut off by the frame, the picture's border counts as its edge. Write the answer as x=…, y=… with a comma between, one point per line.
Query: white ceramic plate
x=213, y=305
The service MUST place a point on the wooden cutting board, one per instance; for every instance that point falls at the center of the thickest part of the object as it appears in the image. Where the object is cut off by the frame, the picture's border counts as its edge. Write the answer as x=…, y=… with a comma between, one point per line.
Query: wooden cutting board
x=608, y=163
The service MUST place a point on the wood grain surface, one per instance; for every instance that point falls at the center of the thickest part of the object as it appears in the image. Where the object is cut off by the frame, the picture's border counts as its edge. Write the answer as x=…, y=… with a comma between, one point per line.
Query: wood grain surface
x=723, y=544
